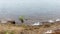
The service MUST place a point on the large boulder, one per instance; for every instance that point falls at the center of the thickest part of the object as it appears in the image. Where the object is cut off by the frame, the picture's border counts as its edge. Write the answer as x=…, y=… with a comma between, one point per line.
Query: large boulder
x=11, y=21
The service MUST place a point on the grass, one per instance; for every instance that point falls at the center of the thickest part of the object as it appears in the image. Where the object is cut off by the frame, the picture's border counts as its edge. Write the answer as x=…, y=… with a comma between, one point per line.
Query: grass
x=25, y=29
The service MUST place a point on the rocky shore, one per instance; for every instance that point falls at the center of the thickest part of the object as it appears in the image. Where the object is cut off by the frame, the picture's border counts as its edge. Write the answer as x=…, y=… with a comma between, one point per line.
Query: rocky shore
x=47, y=27
x=25, y=29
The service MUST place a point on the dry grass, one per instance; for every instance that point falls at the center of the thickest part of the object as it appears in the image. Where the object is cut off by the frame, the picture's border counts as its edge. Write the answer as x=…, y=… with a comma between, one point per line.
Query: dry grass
x=24, y=29
x=9, y=28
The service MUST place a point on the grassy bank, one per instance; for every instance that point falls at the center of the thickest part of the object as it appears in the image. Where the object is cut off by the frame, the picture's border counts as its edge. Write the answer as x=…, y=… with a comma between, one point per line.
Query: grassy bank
x=25, y=29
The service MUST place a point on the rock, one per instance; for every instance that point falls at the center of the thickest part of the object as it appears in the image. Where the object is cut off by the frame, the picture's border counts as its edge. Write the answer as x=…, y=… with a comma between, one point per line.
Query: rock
x=57, y=19
x=49, y=32
x=3, y=21
x=37, y=24
x=45, y=23
x=57, y=31
x=7, y=21
x=51, y=21
x=12, y=22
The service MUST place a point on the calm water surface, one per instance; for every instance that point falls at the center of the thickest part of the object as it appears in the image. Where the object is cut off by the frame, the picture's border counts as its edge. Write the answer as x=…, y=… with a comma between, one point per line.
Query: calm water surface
x=35, y=9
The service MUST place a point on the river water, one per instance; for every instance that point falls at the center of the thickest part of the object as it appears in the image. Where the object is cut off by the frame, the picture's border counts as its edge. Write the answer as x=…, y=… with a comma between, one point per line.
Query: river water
x=34, y=9
x=32, y=15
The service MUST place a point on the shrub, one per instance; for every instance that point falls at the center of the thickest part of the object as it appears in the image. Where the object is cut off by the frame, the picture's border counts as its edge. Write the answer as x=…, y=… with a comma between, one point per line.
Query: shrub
x=21, y=18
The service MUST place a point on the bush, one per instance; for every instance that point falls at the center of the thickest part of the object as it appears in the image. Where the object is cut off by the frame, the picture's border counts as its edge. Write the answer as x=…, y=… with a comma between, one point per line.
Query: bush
x=21, y=18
